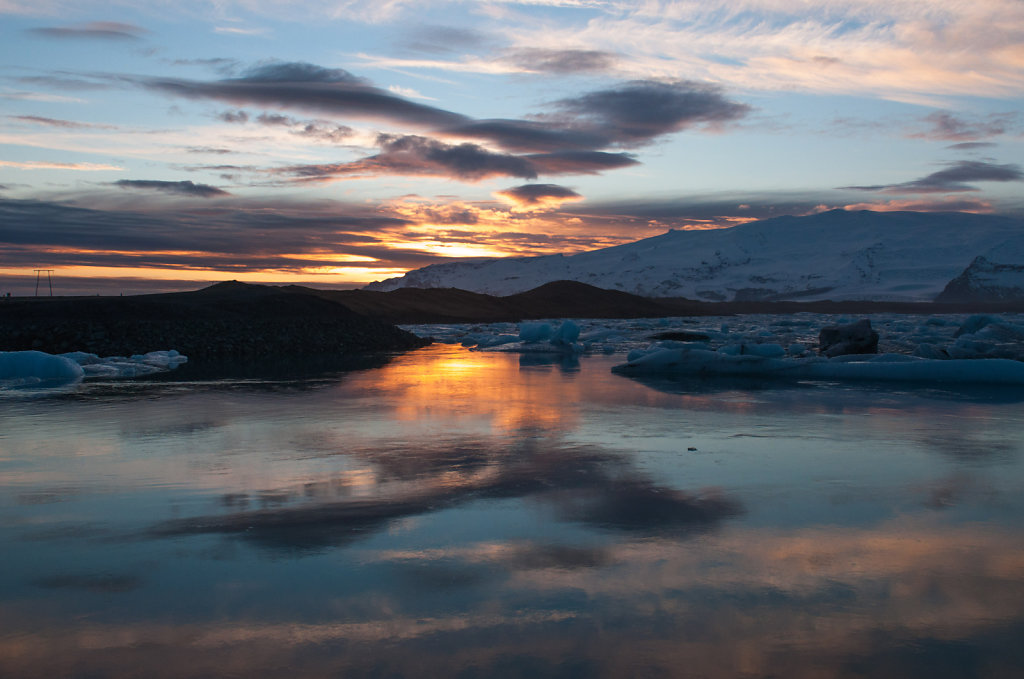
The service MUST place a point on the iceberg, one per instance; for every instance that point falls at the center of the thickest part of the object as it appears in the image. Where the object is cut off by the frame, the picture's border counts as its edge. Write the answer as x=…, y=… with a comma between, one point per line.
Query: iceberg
x=35, y=368
x=691, y=361
x=22, y=368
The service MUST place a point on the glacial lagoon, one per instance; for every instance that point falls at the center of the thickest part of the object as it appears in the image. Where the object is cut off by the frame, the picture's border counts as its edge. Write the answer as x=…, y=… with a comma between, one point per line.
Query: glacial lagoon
x=456, y=513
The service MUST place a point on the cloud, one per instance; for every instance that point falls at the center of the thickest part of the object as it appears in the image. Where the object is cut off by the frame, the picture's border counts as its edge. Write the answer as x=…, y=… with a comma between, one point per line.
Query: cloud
x=944, y=205
x=539, y=195
x=563, y=61
x=65, y=124
x=64, y=83
x=308, y=87
x=210, y=150
x=42, y=165
x=95, y=30
x=946, y=126
x=235, y=30
x=222, y=65
x=641, y=110
x=443, y=39
x=579, y=162
x=953, y=179
x=416, y=155
x=409, y=92
x=40, y=96
x=630, y=115
x=229, y=235
x=530, y=135
x=316, y=129
x=234, y=116
x=184, y=188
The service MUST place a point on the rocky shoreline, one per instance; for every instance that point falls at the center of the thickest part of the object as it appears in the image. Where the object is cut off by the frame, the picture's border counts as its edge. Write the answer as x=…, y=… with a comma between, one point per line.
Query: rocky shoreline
x=223, y=321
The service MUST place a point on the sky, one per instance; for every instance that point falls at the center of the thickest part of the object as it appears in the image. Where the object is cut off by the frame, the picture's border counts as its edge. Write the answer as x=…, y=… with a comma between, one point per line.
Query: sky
x=148, y=146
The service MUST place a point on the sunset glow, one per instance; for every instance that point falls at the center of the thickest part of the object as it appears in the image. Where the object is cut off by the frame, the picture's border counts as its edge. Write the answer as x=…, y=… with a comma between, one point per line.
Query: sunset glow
x=202, y=143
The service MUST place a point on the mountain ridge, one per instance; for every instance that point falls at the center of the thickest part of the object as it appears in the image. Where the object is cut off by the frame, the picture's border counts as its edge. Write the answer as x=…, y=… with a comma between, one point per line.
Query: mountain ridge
x=836, y=255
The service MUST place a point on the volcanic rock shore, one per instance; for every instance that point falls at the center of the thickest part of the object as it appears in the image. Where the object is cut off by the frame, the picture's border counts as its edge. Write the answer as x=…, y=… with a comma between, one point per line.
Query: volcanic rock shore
x=226, y=320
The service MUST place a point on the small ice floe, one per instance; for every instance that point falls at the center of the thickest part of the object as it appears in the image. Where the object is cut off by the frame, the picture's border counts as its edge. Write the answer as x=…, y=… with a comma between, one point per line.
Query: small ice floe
x=36, y=368
x=137, y=365
x=539, y=337
x=984, y=336
x=770, y=361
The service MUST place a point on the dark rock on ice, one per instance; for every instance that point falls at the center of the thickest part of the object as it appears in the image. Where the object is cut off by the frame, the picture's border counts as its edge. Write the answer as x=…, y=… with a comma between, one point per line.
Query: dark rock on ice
x=680, y=336
x=853, y=338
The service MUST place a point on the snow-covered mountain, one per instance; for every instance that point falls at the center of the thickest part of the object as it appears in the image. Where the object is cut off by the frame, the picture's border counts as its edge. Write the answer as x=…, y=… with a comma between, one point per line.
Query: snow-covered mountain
x=839, y=255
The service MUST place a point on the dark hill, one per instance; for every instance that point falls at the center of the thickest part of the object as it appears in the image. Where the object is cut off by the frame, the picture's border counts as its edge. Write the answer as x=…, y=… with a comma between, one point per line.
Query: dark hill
x=571, y=299
x=221, y=321
x=554, y=299
x=558, y=299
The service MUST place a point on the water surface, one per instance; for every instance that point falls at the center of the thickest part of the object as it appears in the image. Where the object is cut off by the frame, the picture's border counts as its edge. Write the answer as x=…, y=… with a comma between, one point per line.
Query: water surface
x=468, y=514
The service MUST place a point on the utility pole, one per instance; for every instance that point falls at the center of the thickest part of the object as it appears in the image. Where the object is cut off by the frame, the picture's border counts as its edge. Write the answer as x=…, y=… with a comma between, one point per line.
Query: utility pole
x=49, y=279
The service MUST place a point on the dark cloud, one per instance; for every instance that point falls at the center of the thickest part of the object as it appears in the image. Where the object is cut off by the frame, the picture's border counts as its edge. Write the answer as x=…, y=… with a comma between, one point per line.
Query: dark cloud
x=233, y=116
x=415, y=155
x=531, y=135
x=308, y=87
x=95, y=30
x=274, y=119
x=641, y=110
x=953, y=179
x=563, y=61
x=946, y=126
x=579, y=162
x=65, y=124
x=631, y=115
x=229, y=235
x=185, y=188
x=538, y=194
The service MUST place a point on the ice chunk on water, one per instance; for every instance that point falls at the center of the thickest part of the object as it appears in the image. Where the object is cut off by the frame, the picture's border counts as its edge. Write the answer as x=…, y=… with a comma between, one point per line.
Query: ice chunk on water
x=880, y=367
x=22, y=368
x=534, y=332
x=766, y=350
x=567, y=333
x=33, y=367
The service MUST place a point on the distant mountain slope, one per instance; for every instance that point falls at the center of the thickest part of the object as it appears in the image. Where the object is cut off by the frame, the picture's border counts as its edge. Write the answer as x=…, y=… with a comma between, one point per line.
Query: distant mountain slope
x=839, y=255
